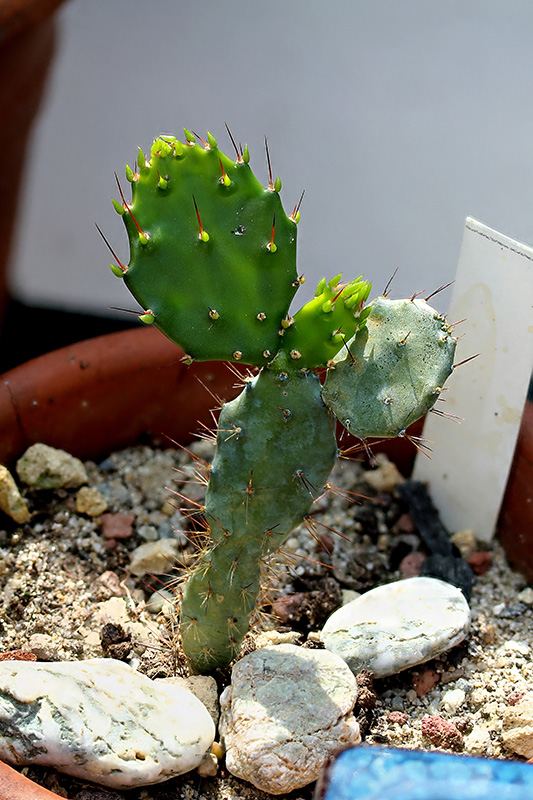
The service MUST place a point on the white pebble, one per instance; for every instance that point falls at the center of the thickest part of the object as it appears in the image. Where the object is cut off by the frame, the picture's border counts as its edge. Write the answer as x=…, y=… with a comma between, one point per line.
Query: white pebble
x=286, y=711
x=452, y=700
x=100, y=721
x=154, y=557
x=398, y=625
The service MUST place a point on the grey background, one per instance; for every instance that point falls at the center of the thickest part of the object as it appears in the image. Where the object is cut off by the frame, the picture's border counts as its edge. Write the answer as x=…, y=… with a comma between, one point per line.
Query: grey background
x=398, y=118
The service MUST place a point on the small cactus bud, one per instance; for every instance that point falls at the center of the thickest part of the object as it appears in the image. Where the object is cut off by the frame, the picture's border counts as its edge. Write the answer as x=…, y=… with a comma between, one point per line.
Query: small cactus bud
x=119, y=207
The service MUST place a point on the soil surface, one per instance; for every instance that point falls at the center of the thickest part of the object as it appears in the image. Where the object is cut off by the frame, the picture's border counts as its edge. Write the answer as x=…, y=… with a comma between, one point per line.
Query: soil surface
x=64, y=574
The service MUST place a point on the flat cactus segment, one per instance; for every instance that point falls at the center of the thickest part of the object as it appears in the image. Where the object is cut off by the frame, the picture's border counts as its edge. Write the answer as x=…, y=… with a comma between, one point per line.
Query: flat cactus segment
x=212, y=252
x=322, y=326
x=275, y=449
x=394, y=371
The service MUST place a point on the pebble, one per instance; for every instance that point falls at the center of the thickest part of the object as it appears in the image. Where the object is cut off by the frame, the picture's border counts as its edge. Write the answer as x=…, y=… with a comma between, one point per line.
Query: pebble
x=517, y=728
x=465, y=541
x=385, y=477
x=398, y=625
x=11, y=501
x=480, y=561
x=45, y=467
x=442, y=733
x=452, y=700
x=286, y=711
x=204, y=687
x=154, y=557
x=101, y=721
x=90, y=501
x=478, y=742
x=117, y=526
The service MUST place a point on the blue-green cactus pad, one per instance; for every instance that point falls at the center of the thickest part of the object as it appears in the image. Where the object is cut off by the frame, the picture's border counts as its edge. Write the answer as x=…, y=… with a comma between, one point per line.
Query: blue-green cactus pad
x=394, y=371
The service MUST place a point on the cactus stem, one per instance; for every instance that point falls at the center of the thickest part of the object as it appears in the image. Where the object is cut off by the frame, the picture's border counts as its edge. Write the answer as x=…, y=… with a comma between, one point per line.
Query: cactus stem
x=295, y=216
x=122, y=266
x=203, y=236
x=271, y=246
x=239, y=156
x=440, y=289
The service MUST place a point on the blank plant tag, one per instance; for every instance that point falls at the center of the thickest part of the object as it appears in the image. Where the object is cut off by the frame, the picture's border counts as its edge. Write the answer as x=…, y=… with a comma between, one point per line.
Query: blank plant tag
x=470, y=462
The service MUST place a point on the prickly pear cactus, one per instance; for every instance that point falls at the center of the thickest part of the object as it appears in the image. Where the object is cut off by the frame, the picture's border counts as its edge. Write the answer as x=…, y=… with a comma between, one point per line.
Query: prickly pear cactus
x=213, y=264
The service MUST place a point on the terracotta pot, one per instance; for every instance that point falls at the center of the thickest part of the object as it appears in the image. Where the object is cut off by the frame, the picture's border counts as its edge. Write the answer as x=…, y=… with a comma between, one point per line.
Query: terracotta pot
x=15, y=786
x=106, y=393
x=27, y=46
x=515, y=526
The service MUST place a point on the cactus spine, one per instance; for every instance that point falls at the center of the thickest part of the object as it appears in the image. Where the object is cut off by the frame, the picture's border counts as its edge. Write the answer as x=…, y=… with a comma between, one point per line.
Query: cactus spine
x=213, y=263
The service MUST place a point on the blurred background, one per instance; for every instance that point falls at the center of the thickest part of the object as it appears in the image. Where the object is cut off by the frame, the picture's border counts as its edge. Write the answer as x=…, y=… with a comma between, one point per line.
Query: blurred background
x=398, y=119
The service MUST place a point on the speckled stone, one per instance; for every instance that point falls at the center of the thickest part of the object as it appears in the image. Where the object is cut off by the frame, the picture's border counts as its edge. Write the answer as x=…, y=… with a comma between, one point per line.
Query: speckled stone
x=11, y=501
x=100, y=721
x=398, y=625
x=517, y=729
x=45, y=467
x=286, y=711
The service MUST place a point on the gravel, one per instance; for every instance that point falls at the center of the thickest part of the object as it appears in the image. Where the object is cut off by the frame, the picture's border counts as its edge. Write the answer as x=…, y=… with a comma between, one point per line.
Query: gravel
x=60, y=567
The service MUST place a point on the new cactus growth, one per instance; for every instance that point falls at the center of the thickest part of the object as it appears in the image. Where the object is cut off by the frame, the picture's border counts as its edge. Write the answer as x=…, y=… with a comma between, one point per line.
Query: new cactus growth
x=213, y=263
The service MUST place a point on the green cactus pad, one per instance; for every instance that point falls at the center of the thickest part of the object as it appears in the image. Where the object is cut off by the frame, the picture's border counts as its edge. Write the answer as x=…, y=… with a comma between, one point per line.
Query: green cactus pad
x=394, y=371
x=275, y=449
x=321, y=327
x=212, y=252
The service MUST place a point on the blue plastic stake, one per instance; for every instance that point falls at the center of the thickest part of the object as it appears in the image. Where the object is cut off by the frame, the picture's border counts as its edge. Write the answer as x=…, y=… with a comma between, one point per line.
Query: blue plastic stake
x=381, y=773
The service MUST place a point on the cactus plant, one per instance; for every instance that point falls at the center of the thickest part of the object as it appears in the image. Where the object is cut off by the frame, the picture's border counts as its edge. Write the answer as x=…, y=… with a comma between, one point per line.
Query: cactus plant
x=213, y=264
